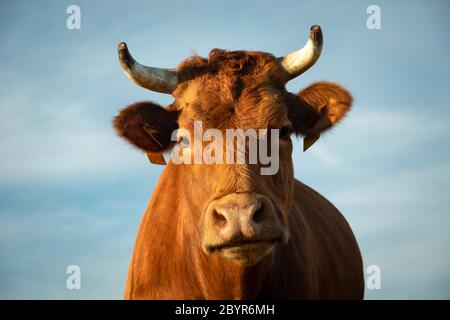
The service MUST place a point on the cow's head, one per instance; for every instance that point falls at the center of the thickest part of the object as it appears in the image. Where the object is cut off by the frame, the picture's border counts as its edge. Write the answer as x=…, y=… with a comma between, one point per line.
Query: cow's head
x=240, y=213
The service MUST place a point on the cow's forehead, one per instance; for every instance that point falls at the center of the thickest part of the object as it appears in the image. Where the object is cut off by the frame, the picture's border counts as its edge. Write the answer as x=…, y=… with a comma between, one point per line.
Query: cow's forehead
x=260, y=106
x=232, y=89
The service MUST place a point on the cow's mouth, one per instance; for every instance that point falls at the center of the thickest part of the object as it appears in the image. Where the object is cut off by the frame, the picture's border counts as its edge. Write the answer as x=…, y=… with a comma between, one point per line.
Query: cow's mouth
x=245, y=252
x=246, y=244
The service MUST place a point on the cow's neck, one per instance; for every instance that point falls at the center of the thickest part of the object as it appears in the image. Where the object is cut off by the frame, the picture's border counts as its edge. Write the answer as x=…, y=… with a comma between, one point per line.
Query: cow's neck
x=208, y=276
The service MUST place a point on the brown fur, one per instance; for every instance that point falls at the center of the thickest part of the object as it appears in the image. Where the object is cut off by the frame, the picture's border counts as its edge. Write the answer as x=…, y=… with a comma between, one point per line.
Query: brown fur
x=240, y=90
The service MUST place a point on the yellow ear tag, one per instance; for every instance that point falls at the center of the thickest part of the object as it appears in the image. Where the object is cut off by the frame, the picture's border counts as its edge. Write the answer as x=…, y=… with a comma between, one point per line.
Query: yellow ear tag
x=309, y=140
x=156, y=158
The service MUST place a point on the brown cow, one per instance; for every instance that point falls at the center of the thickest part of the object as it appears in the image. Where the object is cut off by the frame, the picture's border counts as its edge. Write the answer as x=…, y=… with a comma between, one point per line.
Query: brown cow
x=224, y=231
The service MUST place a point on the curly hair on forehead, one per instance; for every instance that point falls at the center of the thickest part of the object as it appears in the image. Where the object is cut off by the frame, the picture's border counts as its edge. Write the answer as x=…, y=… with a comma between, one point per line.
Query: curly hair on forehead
x=235, y=64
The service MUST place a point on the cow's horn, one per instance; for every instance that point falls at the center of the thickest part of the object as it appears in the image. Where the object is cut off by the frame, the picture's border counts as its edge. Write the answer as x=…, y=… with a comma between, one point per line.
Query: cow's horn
x=297, y=62
x=155, y=79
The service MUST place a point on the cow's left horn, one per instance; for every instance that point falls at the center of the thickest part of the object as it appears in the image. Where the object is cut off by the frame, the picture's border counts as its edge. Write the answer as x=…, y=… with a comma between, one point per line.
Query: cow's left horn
x=297, y=62
x=155, y=79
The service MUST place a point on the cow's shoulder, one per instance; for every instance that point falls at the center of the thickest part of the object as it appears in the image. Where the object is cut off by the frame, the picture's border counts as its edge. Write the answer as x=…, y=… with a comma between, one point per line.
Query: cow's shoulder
x=331, y=241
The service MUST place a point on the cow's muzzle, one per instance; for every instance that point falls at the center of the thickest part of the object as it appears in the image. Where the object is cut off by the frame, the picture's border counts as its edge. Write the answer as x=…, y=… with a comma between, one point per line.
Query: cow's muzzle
x=243, y=227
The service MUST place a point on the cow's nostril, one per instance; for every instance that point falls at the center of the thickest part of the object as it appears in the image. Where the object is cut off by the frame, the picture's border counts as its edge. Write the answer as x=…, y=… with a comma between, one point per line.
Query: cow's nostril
x=258, y=215
x=219, y=219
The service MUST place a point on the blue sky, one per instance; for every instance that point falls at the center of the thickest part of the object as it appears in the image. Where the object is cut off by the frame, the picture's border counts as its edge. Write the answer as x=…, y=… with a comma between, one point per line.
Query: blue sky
x=71, y=192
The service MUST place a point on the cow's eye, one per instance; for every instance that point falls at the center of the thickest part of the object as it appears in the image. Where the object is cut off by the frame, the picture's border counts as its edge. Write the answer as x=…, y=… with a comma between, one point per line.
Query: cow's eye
x=184, y=141
x=285, y=132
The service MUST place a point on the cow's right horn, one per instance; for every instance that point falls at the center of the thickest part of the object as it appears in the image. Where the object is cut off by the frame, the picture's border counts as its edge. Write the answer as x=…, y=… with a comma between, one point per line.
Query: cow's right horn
x=297, y=62
x=155, y=79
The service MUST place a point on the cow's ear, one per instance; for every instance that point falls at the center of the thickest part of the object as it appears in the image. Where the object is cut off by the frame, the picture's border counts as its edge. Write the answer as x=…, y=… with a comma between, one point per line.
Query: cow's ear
x=317, y=108
x=147, y=126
